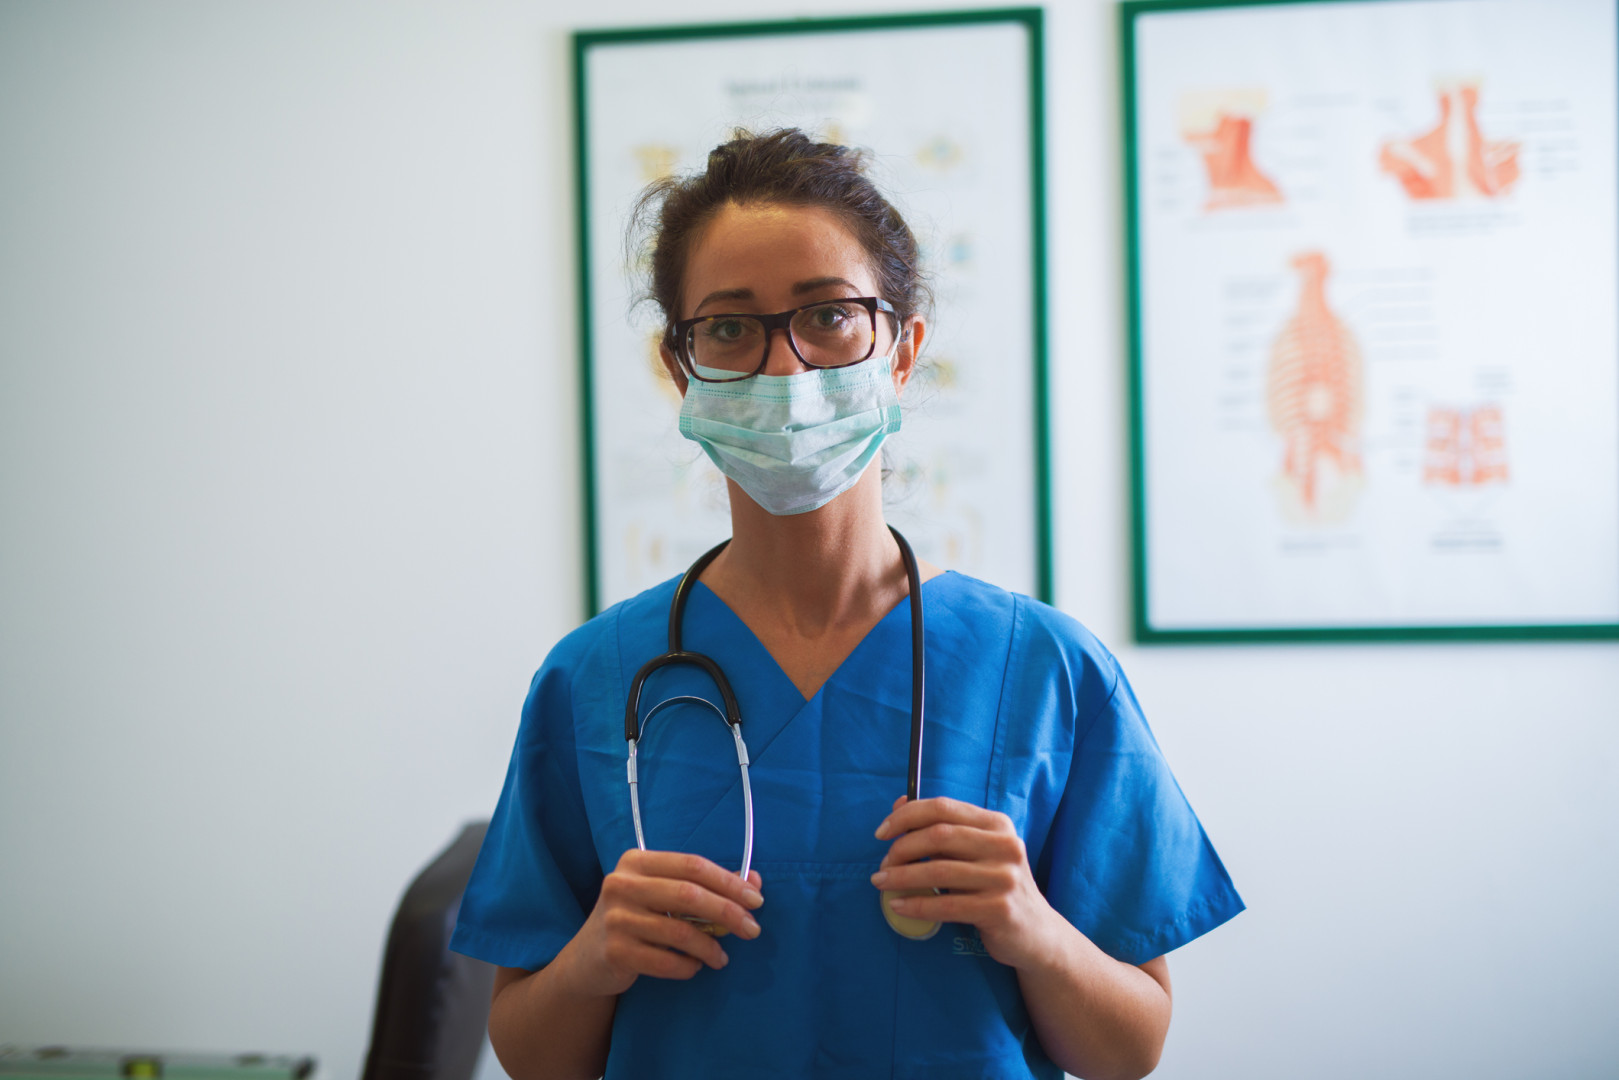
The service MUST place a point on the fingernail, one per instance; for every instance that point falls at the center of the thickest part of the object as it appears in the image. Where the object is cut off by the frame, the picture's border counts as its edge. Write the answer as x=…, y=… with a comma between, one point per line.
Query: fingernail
x=724, y=959
x=750, y=925
x=881, y=829
x=900, y=904
x=880, y=878
x=752, y=898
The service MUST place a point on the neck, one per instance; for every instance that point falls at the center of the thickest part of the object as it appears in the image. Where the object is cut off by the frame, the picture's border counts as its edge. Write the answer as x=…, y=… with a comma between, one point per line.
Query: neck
x=817, y=569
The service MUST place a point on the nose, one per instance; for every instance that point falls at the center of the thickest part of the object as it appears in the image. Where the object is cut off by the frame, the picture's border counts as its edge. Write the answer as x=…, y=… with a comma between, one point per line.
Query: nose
x=779, y=357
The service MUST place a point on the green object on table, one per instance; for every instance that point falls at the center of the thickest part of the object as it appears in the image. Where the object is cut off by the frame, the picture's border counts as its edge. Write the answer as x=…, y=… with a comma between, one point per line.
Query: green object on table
x=65, y=1063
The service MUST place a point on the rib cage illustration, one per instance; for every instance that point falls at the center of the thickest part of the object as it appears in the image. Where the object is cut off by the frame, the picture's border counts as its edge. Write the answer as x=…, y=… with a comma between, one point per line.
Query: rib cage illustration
x=1313, y=390
x=1454, y=159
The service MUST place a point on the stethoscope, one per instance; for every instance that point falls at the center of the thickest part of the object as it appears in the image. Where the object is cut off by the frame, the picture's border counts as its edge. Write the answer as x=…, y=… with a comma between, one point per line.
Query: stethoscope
x=635, y=726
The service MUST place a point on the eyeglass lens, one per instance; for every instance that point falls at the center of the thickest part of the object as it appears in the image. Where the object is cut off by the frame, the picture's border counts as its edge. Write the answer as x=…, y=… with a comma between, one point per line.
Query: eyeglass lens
x=826, y=335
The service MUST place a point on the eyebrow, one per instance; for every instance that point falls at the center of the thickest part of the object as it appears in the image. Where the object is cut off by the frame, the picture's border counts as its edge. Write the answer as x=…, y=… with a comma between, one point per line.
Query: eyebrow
x=798, y=289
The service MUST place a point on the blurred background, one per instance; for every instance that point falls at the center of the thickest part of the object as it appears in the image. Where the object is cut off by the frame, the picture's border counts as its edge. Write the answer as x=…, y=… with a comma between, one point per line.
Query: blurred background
x=289, y=514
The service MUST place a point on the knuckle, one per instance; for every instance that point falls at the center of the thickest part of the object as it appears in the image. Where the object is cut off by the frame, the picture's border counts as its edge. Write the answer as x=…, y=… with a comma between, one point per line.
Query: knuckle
x=688, y=896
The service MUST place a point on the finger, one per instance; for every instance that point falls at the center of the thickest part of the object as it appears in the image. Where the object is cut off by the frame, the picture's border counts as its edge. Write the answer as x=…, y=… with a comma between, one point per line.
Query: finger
x=924, y=812
x=657, y=961
x=694, y=868
x=947, y=840
x=668, y=932
x=678, y=897
x=946, y=874
x=966, y=908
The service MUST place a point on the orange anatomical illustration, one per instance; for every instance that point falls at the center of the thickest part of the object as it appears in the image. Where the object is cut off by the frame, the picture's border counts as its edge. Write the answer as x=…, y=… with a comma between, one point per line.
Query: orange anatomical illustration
x=1466, y=447
x=1219, y=124
x=1313, y=392
x=1454, y=159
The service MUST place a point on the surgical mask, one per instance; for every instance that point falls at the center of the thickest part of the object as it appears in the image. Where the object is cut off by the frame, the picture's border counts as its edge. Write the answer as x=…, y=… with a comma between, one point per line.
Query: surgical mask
x=794, y=442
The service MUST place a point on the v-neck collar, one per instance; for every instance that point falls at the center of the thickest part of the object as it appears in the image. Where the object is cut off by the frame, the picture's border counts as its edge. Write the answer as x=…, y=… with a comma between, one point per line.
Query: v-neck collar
x=769, y=662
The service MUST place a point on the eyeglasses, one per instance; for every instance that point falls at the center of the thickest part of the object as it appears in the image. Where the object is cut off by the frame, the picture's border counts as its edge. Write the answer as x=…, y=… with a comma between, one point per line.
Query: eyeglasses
x=828, y=334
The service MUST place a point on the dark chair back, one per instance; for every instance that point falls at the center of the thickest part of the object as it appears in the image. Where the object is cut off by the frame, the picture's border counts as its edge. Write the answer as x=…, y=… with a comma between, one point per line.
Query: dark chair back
x=432, y=1004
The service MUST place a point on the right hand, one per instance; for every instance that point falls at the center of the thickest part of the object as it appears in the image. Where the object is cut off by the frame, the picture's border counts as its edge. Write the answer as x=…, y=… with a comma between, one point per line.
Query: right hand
x=635, y=928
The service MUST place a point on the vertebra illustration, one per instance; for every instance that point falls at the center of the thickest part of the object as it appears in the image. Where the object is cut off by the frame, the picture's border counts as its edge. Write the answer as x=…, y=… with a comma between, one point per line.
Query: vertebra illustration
x=1454, y=160
x=1313, y=388
x=1465, y=448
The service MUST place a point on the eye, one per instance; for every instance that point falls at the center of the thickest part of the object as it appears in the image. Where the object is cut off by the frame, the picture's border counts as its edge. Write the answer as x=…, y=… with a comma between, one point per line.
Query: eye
x=724, y=331
x=831, y=316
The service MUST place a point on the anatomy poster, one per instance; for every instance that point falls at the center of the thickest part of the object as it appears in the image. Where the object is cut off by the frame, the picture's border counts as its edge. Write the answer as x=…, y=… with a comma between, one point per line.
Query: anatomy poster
x=943, y=105
x=1375, y=269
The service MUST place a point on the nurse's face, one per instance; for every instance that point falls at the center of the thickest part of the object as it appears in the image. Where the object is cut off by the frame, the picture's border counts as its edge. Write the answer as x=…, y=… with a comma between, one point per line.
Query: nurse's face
x=765, y=258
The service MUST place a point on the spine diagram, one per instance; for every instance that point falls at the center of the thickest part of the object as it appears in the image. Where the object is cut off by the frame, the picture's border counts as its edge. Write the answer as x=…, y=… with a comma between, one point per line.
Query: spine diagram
x=1466, y=448
x=1454, y=160
x=1219, y=125
x=1313, y=390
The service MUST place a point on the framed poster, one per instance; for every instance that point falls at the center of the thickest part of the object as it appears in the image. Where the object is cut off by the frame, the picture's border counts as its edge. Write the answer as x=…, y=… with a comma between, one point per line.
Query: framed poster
x=1374, y=285
x=948, y=109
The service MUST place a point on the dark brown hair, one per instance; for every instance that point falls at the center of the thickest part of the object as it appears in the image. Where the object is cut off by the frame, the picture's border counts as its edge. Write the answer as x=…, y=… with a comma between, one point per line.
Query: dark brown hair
x=784, y=167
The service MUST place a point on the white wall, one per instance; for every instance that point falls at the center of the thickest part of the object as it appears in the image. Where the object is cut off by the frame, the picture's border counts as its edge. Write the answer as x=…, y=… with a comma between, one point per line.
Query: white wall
x=288, y=515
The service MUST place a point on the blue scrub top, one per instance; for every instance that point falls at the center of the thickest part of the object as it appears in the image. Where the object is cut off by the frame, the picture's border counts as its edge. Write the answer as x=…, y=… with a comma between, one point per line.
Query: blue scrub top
x=1026, y=714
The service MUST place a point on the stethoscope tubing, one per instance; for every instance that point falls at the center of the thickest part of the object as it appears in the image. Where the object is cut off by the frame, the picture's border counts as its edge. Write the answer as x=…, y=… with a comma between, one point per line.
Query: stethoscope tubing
x=635, y=725
x=742, y=763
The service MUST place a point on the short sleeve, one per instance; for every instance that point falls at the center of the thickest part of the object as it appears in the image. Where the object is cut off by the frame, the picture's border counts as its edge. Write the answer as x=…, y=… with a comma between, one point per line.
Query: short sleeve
x=537, y=875
x=1126, y=860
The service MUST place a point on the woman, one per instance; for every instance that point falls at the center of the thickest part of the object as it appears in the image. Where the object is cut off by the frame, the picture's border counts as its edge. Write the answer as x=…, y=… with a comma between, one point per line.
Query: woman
x=1049, y=838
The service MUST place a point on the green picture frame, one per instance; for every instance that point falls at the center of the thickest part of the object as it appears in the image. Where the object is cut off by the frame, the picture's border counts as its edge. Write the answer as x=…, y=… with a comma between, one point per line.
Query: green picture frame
x=1237, y=581
x=621, y=553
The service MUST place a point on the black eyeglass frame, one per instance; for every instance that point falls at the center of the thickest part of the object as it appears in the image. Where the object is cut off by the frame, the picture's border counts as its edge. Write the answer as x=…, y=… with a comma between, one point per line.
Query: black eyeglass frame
x=680, y=333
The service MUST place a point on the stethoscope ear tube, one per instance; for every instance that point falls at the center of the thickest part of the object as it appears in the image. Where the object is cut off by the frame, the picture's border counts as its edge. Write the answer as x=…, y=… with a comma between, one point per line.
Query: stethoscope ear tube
x=741, y=761
x=635, y=725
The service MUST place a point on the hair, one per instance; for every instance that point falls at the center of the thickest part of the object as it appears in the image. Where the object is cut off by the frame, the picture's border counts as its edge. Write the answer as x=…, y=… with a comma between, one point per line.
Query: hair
x=784, y=167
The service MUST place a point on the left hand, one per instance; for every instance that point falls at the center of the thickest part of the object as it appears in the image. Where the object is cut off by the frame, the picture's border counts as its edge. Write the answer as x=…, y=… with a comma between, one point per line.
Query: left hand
x=978, y=856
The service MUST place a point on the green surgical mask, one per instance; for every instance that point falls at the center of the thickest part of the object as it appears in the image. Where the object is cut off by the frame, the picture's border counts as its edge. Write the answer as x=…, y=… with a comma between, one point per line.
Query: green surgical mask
x=794, y=442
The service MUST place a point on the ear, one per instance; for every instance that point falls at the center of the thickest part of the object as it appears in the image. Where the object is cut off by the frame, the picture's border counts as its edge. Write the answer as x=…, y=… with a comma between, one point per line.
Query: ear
x=906, y=352
x=677, y=374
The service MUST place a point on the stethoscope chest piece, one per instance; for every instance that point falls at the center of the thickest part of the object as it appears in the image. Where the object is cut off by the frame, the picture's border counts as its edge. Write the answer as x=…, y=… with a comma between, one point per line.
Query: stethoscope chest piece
x=904, y=925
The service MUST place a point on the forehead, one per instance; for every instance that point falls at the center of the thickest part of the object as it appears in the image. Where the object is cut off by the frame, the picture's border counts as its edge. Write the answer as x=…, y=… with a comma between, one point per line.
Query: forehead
x=766, y=248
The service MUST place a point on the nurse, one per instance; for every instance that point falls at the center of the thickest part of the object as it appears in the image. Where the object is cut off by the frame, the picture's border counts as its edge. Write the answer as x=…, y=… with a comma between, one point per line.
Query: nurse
x=1050, y=839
